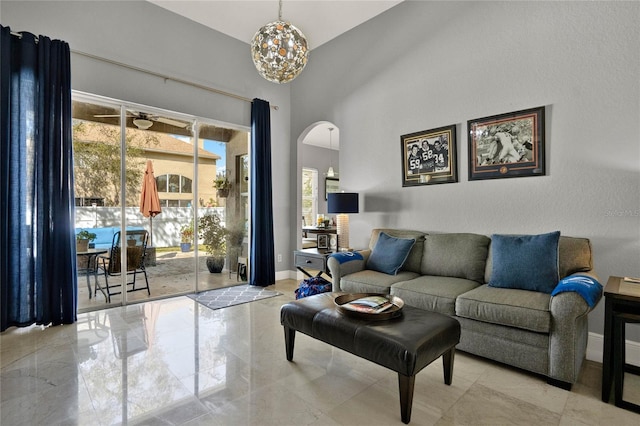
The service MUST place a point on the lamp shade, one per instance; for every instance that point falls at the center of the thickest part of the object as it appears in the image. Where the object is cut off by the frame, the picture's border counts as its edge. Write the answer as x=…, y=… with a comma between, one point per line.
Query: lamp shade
x=342, y=202
x=142, y=123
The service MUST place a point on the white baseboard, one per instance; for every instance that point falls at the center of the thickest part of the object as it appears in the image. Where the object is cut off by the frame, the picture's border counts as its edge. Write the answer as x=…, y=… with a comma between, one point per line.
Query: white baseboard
x=285, y=275
x=595, y=344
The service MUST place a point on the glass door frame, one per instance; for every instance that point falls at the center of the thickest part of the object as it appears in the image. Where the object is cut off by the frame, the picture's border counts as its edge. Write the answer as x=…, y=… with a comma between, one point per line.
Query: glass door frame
x=195, y=123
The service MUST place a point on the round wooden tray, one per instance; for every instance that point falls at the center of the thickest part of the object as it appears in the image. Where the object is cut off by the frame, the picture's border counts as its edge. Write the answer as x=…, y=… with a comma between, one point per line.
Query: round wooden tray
x=392, y=312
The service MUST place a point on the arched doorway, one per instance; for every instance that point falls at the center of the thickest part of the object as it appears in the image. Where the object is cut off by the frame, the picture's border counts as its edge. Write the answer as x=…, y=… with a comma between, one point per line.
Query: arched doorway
x=319, y=146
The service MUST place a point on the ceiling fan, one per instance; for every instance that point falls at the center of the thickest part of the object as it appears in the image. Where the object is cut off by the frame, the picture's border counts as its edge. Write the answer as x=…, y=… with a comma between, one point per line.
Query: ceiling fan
x=143, y=121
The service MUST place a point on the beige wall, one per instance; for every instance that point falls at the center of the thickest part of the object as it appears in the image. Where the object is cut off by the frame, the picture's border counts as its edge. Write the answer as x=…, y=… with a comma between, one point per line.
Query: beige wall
x=183, y=165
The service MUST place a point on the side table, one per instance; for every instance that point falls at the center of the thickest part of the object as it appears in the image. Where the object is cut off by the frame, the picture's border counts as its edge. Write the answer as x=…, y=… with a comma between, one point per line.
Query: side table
x=312, y=258
x=622, y=305
x=92, y=268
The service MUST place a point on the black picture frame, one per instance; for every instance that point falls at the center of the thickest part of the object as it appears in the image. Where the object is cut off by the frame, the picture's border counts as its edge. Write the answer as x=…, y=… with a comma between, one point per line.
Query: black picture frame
x=507, y=145
x=323, y=241
x=331, y=184
x=429, y=157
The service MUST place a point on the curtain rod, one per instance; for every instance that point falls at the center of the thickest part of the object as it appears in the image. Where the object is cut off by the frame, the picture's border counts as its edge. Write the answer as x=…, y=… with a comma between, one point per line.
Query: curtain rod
x=166, y=77
x=155, y=74
x=19, y=35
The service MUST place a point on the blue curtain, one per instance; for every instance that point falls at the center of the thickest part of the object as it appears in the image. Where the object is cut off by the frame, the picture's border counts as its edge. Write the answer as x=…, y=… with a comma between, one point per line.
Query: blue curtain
x=37, y=241
x=262, y=270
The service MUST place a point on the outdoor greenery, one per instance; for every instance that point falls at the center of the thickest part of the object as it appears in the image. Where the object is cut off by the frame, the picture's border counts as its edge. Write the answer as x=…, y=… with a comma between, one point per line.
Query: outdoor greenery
x=96, y=150
x=186, y=233
x=213, y=234
x=221, y=181
x=307, y=196
x=218, y=238
x=85, y=235
x=235, y=234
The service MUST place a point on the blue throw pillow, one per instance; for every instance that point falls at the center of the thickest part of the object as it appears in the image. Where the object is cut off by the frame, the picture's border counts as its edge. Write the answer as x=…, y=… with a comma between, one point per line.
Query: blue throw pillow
x=527, y=262
x=389, y=254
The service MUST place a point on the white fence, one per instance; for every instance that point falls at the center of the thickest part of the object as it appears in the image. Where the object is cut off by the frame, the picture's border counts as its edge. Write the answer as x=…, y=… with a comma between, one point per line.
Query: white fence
x=166, y=225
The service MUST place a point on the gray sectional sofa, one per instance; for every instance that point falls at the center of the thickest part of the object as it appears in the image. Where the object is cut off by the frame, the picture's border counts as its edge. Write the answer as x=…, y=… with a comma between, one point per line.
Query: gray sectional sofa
x=448, y=273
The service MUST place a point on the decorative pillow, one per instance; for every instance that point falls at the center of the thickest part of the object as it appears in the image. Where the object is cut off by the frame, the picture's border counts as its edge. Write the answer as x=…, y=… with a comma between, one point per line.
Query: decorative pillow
x=389, y=254
x=527, y=262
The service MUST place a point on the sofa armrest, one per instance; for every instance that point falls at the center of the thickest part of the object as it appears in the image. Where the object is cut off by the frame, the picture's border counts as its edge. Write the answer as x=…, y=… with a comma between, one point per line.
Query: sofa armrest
x=568, y=337
x=339, y=270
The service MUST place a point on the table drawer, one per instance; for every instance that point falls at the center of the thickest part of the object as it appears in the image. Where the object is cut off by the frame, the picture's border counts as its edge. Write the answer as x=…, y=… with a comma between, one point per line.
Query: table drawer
x=309, y=262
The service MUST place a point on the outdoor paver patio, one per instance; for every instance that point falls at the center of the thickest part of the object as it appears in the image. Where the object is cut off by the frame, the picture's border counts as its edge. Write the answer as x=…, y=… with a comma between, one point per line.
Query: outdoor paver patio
x=173, y=274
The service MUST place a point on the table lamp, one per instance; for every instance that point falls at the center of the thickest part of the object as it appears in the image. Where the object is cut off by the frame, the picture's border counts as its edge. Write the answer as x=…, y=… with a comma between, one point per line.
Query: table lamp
x=342, y=203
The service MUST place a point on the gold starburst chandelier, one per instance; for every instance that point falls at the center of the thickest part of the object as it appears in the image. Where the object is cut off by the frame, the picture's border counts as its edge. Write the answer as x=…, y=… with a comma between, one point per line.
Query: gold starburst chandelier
x=279, y=50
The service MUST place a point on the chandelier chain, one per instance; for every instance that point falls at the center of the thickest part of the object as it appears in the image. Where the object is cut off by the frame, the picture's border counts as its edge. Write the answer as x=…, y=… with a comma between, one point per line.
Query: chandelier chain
x=280, y=10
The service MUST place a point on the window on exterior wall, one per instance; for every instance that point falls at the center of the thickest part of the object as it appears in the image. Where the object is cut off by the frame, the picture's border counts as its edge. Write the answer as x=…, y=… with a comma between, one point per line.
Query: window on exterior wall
x=85, y=201
x=175, y=203
x=309, y=195
x=185, y=185
x=174, y=183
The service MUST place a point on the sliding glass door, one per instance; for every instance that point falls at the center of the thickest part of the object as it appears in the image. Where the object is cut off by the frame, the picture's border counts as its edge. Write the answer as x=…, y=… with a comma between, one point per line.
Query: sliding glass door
x=115, y=146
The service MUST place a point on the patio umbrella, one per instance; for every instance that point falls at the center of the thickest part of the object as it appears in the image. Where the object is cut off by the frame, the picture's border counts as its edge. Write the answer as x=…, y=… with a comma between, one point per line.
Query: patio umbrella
x=149, y=200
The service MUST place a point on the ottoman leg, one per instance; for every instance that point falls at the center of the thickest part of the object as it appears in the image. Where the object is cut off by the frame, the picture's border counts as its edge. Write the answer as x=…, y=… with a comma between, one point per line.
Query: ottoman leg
x=406, y=384
x=289, y=339
x=447, y=363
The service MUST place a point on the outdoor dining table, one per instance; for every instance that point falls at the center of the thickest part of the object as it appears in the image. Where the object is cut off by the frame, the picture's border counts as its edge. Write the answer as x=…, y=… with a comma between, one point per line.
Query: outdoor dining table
x=91, y=268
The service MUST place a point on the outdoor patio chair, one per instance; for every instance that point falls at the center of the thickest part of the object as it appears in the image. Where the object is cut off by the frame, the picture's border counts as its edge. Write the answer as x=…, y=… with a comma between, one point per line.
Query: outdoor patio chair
x=111, y=266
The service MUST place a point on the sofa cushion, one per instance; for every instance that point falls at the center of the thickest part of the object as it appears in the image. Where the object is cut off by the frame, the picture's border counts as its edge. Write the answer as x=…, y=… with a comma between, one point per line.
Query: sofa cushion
x=455, y=255
x=415, y=254
x=528, y=262
x=574, y=255
x=524, y=309
x=369, y=281
x=389, y=253
x=433, y=293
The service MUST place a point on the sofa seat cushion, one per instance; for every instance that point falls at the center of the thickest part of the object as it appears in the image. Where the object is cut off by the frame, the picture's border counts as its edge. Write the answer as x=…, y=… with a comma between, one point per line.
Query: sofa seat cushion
x=433, y=293
x=460, y=255
x=528, y=310
x=369, y=281
x=513, y=346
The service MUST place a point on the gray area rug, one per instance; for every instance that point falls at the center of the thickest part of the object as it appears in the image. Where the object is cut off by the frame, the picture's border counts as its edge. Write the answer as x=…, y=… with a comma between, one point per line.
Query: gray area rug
x=230, y=296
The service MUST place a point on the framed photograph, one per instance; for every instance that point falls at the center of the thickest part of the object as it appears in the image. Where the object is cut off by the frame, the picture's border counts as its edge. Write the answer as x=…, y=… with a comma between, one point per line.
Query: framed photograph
x=507, y=145
x=323, y=241
x=331, y=184
x=429, y=157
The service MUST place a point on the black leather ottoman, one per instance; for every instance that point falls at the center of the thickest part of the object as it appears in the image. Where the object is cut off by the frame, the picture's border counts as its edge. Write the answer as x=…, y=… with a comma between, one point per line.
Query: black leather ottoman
x=405, y=344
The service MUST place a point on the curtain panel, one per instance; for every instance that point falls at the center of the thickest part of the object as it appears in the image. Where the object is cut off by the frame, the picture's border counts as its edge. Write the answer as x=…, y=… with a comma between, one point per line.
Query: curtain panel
x=261, y=258
x=37, y=241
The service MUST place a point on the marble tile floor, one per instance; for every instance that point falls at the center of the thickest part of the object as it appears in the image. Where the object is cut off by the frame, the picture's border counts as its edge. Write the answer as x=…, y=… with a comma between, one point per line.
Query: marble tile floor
x=175, y=362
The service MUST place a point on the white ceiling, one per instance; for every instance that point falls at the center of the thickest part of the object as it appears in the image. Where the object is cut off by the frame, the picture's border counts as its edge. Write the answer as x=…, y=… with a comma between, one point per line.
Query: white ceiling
x=319, y=20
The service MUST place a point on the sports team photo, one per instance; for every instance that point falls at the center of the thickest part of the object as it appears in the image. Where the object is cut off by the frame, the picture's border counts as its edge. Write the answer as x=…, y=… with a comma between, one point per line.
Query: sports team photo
x=429, y=157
